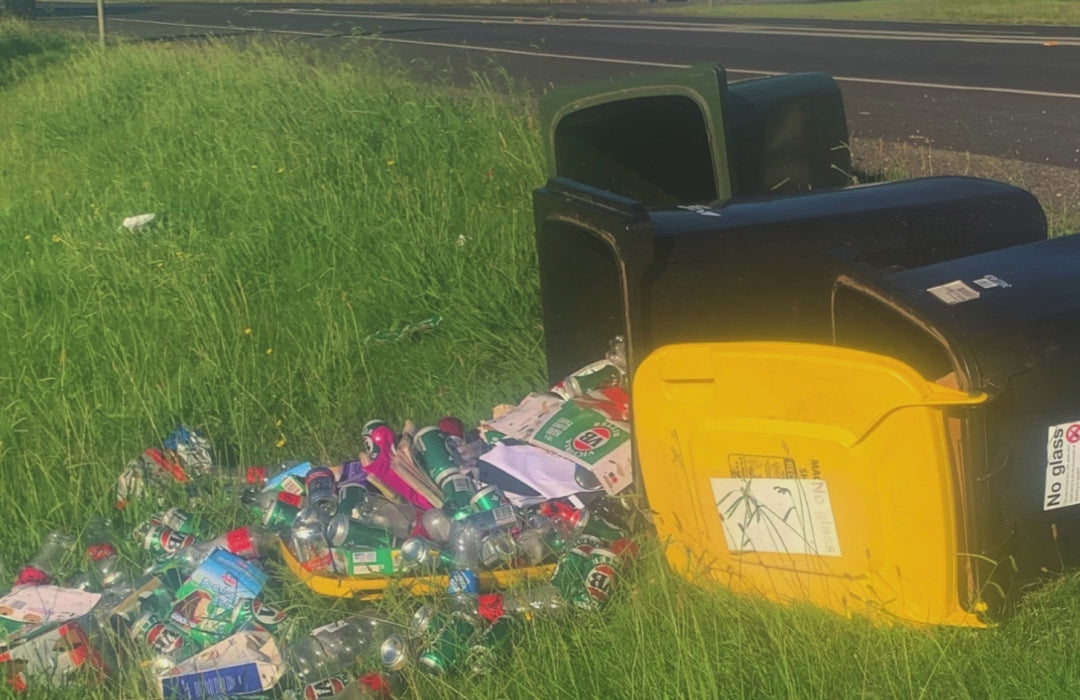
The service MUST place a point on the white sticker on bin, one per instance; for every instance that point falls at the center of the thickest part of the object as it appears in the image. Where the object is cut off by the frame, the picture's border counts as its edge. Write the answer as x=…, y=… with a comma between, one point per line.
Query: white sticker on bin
x=955, y=292
x=1062, y=466
x=991, y=281
x=786, y=516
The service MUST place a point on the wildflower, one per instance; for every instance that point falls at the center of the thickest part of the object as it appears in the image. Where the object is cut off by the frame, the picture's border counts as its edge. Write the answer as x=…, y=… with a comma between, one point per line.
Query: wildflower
x=56, y=238
x=247, y=331
x=269, y=351
x=281, y=442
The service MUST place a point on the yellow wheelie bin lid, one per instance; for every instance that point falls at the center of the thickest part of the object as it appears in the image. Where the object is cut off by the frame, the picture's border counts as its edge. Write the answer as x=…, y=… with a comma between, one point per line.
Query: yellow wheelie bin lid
x=805, y=472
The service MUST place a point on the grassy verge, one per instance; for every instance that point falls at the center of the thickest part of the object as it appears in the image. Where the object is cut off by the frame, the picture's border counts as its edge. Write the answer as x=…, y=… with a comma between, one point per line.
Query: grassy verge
x=962, y=11
x=24, y=50
x=305, y=206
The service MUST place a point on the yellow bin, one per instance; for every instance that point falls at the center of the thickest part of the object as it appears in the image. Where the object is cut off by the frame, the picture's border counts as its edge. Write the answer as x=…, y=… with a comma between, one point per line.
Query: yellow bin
x=805, y=472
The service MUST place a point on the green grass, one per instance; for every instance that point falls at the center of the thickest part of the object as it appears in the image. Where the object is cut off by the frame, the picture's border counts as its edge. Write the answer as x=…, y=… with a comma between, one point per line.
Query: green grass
x=973, y=11
x=314, y=203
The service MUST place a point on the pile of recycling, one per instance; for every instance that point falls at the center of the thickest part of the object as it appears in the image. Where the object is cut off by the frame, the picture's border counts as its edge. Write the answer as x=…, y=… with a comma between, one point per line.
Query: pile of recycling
x=526, y=515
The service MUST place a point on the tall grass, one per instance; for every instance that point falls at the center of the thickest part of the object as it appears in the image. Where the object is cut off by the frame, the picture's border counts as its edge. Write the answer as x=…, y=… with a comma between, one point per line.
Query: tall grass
x=304, y=206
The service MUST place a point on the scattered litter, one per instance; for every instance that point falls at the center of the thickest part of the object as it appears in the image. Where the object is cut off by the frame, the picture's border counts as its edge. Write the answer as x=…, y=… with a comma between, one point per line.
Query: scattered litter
x=440, y=508
x=392, y=335
x=136, y=224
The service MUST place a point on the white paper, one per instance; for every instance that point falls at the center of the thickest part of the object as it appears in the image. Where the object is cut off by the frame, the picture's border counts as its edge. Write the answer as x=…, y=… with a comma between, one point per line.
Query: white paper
x=46, y=604
x=551, y=476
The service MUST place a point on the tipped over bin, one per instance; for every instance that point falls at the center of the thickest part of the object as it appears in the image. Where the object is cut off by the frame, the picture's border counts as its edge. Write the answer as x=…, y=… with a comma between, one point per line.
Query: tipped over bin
x=925, y=468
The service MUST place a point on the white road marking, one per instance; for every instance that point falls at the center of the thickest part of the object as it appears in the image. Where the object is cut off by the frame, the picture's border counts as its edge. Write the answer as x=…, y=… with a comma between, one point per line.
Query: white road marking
x=977, y=37
x=620, y=61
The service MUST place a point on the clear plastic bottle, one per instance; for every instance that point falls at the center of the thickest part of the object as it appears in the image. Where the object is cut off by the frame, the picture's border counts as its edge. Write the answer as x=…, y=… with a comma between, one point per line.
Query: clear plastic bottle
x=333, y=649
x=45, y=564
x=436, y=525
x=396, y=518
x=537, y=599
x=542, y=539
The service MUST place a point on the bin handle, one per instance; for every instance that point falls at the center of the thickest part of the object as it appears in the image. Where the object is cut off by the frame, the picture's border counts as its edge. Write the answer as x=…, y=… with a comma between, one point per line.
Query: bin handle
x=938, y=397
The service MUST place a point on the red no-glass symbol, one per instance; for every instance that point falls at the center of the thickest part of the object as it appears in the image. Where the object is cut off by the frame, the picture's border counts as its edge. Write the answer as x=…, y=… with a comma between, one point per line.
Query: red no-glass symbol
x=1073, y=433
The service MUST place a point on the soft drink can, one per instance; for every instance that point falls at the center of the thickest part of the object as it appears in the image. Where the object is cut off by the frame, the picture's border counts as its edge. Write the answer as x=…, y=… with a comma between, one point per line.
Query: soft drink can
x=487, y=498
x=430, y=445
x=320, y=489
x=349, y=534
x=161, y=541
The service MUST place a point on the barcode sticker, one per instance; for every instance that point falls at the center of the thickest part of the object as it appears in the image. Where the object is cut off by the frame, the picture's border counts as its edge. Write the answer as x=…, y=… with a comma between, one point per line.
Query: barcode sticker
x=955, y=292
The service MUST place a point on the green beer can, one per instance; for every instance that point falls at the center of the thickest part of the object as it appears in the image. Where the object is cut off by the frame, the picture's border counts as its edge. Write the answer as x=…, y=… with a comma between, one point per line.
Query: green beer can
x=348, y=534
x=583, y=582
x=281, y=514
x=593, y=530
x=491, y=646
x=457, y=490
x=430, y=445
x=350, y=496
x=488, y=498
x=450, y=645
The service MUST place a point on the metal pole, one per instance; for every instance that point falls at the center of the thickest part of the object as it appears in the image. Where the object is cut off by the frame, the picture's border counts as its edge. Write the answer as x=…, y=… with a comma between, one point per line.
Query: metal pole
x=101, y=21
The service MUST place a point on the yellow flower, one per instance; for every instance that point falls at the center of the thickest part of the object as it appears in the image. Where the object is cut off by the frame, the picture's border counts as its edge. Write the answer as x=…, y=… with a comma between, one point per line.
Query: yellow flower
x=269, y=351
x=280, y=170
x=247, y=331
x=26, y=237
x=389, y=162
x=56, y=238
x=981, y=606
x=277, y=423
x=281, y=443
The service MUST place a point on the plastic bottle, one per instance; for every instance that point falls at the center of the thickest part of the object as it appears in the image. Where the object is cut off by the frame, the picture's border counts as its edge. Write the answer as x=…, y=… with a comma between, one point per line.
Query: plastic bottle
x=538, y=599
x=333, y=649
x=436, y=525
x=378, y=512
x=542, y=539
x=246, y=542
x=43, y=567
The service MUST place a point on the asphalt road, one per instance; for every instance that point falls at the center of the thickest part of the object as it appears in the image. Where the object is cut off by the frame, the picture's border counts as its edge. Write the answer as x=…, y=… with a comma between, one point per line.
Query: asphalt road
x=1010, y=92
